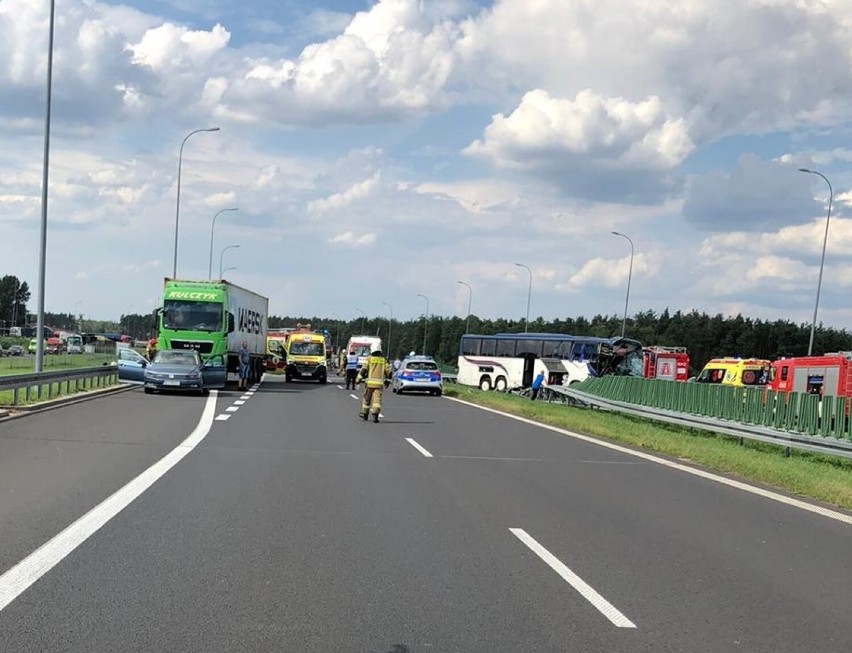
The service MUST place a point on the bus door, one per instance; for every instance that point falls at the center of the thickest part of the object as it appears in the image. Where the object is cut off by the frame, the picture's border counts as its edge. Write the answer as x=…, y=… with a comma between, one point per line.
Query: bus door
x=529, y=370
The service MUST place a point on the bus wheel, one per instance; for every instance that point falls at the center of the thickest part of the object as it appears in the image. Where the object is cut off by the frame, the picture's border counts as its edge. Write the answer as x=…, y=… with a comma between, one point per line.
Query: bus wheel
x=500, y=384
x=485, y=383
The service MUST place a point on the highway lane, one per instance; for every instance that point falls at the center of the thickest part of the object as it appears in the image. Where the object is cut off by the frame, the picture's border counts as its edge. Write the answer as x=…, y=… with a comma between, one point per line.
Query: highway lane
x=294, y=526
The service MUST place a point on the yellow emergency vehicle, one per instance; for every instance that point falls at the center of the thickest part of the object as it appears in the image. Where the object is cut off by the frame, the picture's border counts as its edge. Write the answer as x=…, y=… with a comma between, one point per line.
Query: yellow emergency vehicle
x=735, y=371
x=306, y=357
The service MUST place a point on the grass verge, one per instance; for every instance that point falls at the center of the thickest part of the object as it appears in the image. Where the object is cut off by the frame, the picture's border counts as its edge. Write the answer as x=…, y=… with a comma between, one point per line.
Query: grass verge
x=26, y=364
x=814, y=476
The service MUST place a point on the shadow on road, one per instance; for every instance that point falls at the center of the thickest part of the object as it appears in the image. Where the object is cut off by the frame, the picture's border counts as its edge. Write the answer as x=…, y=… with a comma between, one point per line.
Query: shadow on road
x=396, y=648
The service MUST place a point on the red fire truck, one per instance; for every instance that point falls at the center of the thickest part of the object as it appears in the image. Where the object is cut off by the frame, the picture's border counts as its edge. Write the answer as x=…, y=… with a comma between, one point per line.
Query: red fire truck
x=667, y=363
x=829, y=375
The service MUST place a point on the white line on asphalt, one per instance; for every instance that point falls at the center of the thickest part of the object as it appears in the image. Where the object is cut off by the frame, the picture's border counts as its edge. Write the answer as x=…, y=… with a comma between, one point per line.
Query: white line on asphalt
x=232, y=409
x=589, y=593
x=417, y=446
x=224, y=417
x=245, y=397
x=353, y=396
x=17, y=579
x=766, y=494
x=340, y=387
x=250, y=393
x=239, y=402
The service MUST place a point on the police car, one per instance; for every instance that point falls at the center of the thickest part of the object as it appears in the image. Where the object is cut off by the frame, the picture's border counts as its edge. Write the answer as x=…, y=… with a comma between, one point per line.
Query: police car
x=418, y=374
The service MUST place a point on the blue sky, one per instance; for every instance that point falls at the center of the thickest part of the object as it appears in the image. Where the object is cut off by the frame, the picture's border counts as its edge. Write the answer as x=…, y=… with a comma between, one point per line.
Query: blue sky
x=381, y=149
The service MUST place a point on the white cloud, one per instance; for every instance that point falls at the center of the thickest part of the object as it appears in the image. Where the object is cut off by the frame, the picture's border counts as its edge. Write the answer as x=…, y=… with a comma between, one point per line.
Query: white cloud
x=544, y=131
x=350, y=239
x=608, y=273
x=352, y=194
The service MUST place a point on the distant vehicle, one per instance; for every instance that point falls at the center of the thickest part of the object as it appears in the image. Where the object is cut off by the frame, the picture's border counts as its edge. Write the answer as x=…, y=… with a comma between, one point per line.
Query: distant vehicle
x=182, y=369
x=214, y=318
x=418, y=373
x=54, y=346
x=276, y=352
x=306, y=357
x=507, y=361
x=362, y=346
x=667, y=363
x=829, y=375
x=735, y=371
x=15, y=350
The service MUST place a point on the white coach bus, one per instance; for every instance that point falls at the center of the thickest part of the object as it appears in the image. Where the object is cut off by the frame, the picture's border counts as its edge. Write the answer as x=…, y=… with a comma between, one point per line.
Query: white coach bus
x=512, y=360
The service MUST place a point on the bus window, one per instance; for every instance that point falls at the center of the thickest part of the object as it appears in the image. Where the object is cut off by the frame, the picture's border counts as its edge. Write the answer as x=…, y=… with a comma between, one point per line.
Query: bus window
x=551, y=349
x=506, y=347
x=489, y=347
x=470, y=346
x=528, y=347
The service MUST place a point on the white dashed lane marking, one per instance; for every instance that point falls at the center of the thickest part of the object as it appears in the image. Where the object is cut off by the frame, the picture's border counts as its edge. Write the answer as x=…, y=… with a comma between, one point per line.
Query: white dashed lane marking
x=222, y=418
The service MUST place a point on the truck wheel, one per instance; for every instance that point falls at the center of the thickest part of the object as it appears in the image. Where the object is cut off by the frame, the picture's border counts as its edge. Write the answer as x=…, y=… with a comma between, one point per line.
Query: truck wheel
x=485, y=383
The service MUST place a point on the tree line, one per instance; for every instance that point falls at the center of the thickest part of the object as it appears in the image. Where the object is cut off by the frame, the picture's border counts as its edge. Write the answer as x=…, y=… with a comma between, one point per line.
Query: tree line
x=705, y=336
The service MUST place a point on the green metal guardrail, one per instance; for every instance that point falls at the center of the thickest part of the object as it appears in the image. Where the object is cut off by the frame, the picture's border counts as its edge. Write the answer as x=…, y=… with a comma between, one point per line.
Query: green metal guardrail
x=826, y=417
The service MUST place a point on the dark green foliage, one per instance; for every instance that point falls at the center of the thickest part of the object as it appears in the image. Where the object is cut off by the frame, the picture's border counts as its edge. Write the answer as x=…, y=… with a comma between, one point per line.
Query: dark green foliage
x=704, y=336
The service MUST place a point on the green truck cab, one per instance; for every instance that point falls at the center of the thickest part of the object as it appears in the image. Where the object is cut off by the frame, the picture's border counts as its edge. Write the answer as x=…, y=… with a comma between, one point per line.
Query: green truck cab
x=214, y=318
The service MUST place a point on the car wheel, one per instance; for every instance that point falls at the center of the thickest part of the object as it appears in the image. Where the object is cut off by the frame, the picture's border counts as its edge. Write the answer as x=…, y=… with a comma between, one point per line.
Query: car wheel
x=287, y=378
x=149, y=391
x=485, y=383
x=323, y=380
x=399, y=390
x=438, y=393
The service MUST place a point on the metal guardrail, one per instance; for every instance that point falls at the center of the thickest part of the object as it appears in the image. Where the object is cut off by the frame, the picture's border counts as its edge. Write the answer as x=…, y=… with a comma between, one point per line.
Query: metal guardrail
x=43, y=383
x=825, y=444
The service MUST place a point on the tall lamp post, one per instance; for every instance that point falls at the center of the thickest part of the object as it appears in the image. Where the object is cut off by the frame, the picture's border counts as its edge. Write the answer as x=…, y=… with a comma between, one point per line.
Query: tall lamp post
x=390, y=326
x=212, y=227
x=361, y=311
x=629, y=275
x=42, y=258
x=529, y=294
x=822, y=260
x=222, y=256
x=177, y=203
x=469, y=302
x=425, y=321
x=76, y=320
x=230, y=267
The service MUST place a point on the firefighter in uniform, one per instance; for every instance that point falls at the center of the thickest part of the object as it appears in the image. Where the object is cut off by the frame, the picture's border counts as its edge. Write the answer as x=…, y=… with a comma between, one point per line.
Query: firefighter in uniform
x=376, y=377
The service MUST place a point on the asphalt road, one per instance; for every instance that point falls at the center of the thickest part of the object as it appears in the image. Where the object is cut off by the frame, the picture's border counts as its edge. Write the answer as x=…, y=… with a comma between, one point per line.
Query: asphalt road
x=294, y=526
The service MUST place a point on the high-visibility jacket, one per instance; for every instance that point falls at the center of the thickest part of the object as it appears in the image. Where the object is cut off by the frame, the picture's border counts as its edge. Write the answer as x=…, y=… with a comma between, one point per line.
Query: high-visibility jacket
x=375, y=371
x=352, y=362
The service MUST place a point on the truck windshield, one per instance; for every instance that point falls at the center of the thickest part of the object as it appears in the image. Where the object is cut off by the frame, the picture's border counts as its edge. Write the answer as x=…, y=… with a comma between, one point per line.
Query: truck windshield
x=307, y=349
x=192, y=316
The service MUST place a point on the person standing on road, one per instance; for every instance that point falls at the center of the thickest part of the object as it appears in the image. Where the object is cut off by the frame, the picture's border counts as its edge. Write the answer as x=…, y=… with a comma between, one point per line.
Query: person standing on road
x=351, y=370
x=376, y=377
x=245, y=365
x=536, y=385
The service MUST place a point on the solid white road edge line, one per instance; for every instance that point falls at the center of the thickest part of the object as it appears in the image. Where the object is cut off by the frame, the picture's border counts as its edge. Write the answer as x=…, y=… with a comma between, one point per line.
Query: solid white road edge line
x=745, y=487
x=589, y=593
x=417, y=446
x=20, y=577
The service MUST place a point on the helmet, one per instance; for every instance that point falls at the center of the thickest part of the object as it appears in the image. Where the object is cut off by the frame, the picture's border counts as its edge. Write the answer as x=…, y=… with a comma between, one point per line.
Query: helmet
x=376, y=351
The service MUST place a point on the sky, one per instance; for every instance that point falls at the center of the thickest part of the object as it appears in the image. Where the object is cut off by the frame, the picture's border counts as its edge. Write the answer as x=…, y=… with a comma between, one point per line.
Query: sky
x=377, y=151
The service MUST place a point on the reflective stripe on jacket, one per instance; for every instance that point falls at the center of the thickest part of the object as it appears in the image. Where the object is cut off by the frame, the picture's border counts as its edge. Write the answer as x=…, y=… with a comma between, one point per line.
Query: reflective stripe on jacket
x=352, y=362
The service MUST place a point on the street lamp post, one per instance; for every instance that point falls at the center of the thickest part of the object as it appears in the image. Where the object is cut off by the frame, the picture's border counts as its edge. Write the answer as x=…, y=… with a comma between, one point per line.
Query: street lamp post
x=177, y=203
x=222, y=255
x=469, y=302
x=230, y=267
x=529, y=294
x=42, y=258
x=822, y=260
x=425, y=321
x=390, y=326
x=15, y=303
x=361, y=311
x=76, y=319
x=212, y=227
x=629, y=275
